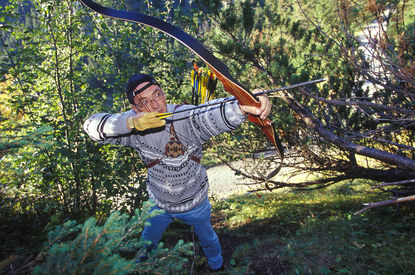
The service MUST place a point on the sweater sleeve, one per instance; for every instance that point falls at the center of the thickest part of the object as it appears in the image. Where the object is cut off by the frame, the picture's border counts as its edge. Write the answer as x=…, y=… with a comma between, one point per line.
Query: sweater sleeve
x=108, y=128
x=210, y=121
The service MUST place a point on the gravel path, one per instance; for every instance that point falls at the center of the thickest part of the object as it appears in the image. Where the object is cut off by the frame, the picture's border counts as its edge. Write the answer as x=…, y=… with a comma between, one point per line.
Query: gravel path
x=223, y=182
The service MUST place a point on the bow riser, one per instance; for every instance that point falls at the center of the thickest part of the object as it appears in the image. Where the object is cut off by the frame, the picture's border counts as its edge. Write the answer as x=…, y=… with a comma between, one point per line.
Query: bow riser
x=246, y=98
x=242, y=95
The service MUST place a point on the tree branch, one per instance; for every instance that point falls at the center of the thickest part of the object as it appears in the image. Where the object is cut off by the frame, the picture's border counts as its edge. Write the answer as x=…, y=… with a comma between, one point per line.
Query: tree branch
x=358, y=103
x=394, y=183
x=311, y=121
x=383, y=203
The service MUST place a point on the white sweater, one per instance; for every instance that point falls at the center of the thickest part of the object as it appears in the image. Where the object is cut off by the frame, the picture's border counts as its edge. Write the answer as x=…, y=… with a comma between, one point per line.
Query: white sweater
x=176, y=184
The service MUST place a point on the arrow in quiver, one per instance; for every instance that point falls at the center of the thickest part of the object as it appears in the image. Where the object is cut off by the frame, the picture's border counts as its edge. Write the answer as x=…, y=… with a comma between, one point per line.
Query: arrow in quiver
x=203, y=85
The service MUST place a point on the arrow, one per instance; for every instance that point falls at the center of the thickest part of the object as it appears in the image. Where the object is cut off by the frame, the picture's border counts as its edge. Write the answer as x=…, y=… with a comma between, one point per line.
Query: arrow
x=168, y=114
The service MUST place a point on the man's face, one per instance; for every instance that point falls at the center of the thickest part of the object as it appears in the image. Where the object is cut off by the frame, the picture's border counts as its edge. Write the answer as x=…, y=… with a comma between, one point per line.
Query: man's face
x=151, y=99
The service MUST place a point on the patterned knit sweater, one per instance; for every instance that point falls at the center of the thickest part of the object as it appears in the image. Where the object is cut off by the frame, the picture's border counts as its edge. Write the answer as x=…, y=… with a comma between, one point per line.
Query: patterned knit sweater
x=176, y=184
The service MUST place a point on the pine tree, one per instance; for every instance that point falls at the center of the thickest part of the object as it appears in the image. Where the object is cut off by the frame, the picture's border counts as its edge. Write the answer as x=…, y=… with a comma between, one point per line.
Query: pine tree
x=111, y=248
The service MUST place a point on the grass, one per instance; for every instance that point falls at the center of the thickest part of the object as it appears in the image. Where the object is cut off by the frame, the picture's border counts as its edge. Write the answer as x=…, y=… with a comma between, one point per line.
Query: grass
x=310, y=233
x=313, y=232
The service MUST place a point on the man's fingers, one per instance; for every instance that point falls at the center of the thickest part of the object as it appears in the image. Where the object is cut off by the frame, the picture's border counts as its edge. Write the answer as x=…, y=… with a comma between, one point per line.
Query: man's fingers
x=149, y=116
x=154, y=121
x=265, y=106
x=251, y=110
x=263, y=111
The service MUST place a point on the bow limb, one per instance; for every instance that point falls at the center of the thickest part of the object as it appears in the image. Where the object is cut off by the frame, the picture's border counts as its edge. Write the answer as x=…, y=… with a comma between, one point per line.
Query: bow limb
x=246, y=98
x=218, y=67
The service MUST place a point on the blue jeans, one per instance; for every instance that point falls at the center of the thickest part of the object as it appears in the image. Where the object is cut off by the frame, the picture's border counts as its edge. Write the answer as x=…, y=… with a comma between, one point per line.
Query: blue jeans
x=199, y=218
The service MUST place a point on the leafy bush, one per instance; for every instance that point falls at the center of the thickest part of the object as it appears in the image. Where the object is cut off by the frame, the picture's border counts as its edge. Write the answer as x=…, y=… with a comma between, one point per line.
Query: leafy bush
x=112, y=248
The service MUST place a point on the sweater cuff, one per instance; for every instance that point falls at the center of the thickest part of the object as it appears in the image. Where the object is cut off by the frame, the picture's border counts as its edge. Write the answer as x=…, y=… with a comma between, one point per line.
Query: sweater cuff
x=123, y=121
x=234, y=113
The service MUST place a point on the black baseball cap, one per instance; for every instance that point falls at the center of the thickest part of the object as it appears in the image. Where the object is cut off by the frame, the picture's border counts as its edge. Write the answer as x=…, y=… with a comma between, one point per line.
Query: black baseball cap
x=136, y=80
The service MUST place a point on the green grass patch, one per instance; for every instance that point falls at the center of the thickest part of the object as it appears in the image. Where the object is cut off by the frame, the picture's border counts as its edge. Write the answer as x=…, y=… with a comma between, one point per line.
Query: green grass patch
x=314, y=233
x=309, y=232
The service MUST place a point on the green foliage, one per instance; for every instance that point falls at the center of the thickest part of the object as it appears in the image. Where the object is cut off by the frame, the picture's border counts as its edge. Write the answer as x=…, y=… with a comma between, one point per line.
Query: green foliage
x=274, y=43
x=108, y=249
x=268, y=44
x=38, y=138
x=315, y=232
x=61, y=63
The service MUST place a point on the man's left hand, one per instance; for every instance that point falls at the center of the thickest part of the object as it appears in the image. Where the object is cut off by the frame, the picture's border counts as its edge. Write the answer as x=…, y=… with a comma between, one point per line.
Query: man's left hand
x=263, y=111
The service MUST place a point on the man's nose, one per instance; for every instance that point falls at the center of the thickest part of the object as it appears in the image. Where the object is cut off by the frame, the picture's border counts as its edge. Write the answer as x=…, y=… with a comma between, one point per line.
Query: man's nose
x=154, y=104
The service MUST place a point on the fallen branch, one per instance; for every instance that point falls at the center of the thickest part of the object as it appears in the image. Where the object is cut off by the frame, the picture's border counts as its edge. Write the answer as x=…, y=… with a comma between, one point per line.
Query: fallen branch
x=394, y=183
x=383, y=203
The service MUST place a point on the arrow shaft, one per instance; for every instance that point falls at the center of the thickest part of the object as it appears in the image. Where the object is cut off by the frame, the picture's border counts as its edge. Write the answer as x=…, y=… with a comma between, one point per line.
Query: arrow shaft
x=165, y=115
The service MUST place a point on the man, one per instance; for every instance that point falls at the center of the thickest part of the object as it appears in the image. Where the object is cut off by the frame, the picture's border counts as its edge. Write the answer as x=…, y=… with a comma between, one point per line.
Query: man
x=176, y=182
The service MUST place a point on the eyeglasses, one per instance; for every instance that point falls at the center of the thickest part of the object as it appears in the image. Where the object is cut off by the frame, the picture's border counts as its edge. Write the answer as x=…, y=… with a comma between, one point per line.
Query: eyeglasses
x=147, y=101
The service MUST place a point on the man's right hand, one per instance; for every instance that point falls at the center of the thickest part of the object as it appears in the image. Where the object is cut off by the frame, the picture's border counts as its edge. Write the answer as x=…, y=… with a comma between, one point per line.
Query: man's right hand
x=144, y=121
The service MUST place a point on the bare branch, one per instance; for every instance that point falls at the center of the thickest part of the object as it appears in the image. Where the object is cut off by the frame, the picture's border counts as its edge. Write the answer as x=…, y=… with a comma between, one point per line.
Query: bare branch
x=317, y=26
x=383, y=203
x=403, y=182
x=358, y=103
x=311, y=121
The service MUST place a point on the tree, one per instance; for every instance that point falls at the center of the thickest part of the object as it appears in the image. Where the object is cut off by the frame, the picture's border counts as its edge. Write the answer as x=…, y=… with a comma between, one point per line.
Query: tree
x=59, y=64
x=59, y=67
x=339, y=130
x=111, y=248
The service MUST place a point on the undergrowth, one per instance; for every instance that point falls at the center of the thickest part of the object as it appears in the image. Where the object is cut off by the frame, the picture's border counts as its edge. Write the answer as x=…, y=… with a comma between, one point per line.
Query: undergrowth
x=309, y=232
x=312, y=233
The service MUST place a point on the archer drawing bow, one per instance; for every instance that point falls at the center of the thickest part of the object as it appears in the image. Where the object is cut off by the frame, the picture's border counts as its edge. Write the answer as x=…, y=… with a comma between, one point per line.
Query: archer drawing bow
x=220, y=70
